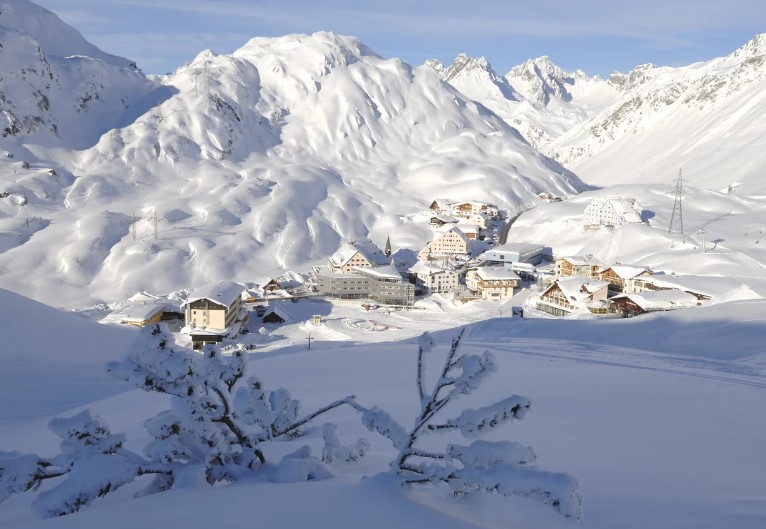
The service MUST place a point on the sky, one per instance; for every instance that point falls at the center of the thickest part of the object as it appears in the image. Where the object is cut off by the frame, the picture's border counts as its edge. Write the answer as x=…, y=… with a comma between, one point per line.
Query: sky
x=595, y=36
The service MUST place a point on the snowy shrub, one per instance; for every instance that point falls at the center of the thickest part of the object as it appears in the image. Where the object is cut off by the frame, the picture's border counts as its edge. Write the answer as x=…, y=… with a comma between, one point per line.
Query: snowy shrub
x=219, y=419
x=334, y=451
x=504, y=467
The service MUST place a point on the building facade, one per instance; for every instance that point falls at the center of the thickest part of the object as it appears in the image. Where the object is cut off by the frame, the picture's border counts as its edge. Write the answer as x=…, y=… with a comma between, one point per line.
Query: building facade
x=586, y=266
x=212, y=311
x=492, y=283
x=450, y=243
x=514, y=252
x=612, y=211
x=434, y=279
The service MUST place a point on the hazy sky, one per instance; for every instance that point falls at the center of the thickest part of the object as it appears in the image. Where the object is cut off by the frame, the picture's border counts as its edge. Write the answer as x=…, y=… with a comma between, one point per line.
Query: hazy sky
x=595, y=36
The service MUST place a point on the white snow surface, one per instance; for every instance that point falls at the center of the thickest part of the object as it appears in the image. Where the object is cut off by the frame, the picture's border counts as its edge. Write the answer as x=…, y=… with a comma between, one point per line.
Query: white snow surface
x=242, y=166
x=641, y=428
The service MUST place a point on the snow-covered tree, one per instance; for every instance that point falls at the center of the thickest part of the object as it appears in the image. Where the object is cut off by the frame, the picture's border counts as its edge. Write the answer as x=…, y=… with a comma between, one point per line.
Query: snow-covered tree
x=505, y=467
x=220, y=417
x=92, y=459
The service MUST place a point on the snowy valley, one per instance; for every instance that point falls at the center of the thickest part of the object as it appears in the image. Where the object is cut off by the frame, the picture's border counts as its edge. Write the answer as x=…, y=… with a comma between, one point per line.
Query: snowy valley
x=301, y=211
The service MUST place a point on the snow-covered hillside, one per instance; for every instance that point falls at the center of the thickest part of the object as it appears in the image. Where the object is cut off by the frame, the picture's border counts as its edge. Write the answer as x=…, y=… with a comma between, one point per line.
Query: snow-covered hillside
x=730, y=226
x=57, y=89
x=269, y=157
x=639, y=127
x=642, y=428
x=707, y=119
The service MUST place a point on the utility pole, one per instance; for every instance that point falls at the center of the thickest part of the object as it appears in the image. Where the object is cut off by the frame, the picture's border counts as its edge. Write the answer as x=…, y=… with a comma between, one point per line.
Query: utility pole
x=309, y=340
x=156, y=220
x=133, y=224
x=677, y=218
x=702, y=232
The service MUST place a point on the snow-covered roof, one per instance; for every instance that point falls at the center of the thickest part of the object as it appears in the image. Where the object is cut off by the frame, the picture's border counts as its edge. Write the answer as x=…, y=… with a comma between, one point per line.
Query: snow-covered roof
x=471, y=228
x=661, y=299
x=710, y=286
x=474, y=203
x=443, y=203
x=278, y=311
x=580, y=260
x=224, y=293
x=627, y=272
x=368, y=249
x=496, y=273
x=444, y=230
x=518, y=247
x=578, y=288
x=388, y=271
x=426, y=268
x=445, y=219
x=135, y=312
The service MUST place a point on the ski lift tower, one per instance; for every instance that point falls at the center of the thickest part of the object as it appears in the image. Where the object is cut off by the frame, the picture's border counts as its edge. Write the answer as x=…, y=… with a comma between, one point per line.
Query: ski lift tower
x=677, y=218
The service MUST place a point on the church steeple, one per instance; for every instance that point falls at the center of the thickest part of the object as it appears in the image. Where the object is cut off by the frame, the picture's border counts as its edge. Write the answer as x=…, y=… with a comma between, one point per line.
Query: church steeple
x=388, y=247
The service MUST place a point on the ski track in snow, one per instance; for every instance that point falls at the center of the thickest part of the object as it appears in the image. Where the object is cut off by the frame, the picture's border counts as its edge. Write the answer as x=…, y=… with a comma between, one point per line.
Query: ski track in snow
x=633, y=359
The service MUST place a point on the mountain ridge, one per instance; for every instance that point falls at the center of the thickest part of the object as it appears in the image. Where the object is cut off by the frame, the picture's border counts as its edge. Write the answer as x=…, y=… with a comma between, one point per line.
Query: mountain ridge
x=266, y=158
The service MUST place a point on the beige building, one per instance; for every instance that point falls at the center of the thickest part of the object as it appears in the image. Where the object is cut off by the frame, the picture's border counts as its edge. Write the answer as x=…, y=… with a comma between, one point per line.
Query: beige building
x=383, y=284
x=474, y=207
x=357, y=254
x=446, y=243
x=212, y=310
x=573, y=294
x=434, y=279
x=494, y=283
x=586, y=266
x=620, y=276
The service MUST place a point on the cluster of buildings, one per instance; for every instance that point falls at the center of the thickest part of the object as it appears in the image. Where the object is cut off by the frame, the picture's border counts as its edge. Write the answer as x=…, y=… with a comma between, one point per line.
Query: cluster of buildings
x=586, y=284
x=361, y=270
x=213, y=312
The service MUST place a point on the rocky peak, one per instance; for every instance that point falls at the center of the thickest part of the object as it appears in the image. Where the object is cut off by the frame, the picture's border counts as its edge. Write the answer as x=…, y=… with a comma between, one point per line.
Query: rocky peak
x=436, y=65
x=752, y=48
x=543, y=78
x=636, y=77
x=464, y=63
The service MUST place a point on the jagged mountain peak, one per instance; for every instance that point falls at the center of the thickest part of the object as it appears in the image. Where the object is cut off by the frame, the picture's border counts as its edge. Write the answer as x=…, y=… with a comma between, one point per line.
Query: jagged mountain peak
x=436, y=65
x=541, y=79
x=636, y=77
x=752, y=48
x=475, y=78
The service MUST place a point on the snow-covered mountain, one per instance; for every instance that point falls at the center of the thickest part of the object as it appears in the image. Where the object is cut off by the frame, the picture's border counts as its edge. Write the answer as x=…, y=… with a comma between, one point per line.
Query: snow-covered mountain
x=538, y=98
x=58, y=89
x=643, y=126
x=271, y=156
x=706, y=118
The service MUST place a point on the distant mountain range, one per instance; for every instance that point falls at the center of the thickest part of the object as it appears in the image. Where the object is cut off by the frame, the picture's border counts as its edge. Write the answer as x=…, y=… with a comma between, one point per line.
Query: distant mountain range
x=706, y=118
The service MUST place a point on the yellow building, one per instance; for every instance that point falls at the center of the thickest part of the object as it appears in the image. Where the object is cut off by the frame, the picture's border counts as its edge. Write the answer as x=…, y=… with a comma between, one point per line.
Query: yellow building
x=212, y=310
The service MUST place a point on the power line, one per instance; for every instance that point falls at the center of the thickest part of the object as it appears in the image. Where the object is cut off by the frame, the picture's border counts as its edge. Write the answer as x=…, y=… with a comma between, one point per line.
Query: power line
x=677, y=218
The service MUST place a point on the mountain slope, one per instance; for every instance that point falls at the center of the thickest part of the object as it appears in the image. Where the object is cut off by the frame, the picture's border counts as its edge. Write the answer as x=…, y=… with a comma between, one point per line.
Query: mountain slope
x=57, y=89
x=707, y=118
x=268, y=157
x=538, y=98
